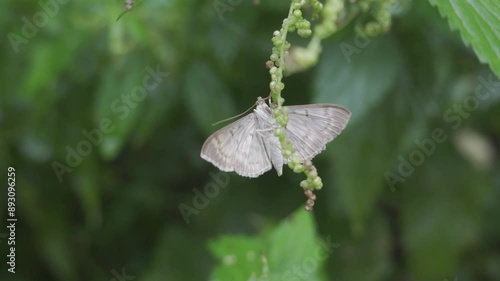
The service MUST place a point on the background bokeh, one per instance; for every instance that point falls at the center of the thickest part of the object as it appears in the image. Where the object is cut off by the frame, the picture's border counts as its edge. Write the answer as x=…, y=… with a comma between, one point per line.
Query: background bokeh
x=118, y=206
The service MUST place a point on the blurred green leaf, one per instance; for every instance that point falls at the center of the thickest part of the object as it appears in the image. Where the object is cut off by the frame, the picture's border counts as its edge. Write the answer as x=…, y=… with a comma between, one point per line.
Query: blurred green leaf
x=119, y=208
x=55, y=246
x=207, y=96
x=479, y=25
x=48, y=59
x=119, y=104
x=224, y=42
x=357, y=77
x=176, y=246
x=239, y=257
x=295, y=252
x=442, y=212
x=89, y=193
x=160, y=104
x=292, y=250
x=363, y=150
x=366, y=258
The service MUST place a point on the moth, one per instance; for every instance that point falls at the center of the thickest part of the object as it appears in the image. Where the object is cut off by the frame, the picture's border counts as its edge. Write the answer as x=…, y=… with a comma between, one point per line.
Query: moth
x=249, y=147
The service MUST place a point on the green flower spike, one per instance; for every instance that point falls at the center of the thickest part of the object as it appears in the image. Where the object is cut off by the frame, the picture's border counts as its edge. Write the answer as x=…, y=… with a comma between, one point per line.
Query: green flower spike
x=294, y=22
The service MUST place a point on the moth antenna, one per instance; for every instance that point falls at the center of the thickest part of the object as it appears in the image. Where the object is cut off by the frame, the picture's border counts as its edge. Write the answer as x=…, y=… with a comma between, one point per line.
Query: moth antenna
x=236, y=116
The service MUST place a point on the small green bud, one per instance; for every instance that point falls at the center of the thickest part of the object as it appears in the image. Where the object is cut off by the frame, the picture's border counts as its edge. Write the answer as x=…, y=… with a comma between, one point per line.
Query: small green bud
x=303, y=24
x=313, y=173
x=276, y=113
x=304, y=33
x=297, y=13
x=299, y=168
x=274, y=57
x=318, y=184
x=318, y=6
x=278, y=132
x=278, y=74
x=304, y=184
x=285, y=120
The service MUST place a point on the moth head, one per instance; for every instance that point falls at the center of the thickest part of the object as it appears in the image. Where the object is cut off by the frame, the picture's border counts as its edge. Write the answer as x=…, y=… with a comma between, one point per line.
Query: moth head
x=260, y=100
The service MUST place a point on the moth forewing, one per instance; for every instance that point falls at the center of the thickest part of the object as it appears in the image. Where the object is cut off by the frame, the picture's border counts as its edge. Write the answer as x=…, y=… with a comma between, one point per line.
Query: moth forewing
x=238, y=147
x=250, y=159
x=311, y=127
x=220, y=147
x=249, y=147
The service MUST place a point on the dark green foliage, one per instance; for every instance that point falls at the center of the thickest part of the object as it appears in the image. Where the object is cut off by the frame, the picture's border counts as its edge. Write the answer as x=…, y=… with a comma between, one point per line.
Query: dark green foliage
x=129, y=168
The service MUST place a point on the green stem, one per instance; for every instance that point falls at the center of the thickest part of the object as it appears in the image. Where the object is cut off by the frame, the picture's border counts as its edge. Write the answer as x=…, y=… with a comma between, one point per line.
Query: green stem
x=284, y=32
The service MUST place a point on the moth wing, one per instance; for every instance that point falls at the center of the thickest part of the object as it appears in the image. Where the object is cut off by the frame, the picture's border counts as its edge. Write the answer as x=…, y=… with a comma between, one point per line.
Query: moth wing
x=311, y=127
x=273, y=149
x=238, y=147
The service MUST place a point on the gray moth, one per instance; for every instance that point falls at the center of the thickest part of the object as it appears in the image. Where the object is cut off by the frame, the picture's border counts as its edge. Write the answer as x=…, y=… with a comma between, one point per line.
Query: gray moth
x=249, y=147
